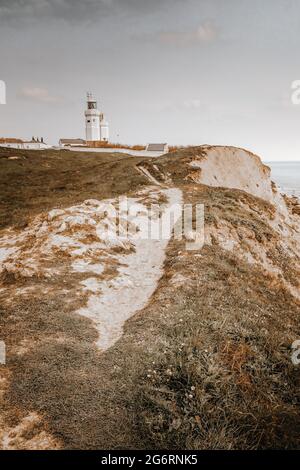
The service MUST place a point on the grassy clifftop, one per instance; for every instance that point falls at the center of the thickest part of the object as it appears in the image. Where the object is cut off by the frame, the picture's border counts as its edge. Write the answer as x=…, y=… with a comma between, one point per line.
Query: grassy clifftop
x=206, y=364
x=35, y=181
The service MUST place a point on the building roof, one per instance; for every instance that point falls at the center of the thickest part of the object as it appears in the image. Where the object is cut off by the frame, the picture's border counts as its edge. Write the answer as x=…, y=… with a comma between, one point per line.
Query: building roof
x=9, y=140
x=156, y=147
x=72, y=141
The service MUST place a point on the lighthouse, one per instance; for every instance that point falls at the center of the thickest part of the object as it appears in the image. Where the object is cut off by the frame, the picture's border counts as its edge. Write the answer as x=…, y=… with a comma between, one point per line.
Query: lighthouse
x=96, y=127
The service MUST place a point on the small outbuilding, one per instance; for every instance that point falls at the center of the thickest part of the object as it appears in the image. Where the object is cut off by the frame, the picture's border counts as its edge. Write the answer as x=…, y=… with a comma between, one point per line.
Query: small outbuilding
x=72, y=143
x=159, y=148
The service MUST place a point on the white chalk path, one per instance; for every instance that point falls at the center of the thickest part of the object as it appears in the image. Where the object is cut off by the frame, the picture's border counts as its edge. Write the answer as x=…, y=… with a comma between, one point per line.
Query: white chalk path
x=131, y=290
x=111, y=302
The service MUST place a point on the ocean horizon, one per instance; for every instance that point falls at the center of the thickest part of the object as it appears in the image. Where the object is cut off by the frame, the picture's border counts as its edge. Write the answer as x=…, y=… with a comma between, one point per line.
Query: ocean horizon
x=286, y=175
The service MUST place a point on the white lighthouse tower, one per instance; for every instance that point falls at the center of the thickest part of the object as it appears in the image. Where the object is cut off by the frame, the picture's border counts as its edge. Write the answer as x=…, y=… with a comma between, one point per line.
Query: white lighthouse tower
x=92, y=119
x=96, y=126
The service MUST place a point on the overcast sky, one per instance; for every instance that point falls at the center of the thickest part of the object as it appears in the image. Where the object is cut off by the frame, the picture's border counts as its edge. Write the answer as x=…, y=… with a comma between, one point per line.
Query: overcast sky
x=180, y=71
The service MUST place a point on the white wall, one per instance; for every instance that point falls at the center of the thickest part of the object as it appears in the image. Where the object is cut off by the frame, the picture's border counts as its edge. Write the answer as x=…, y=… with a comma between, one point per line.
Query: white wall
x=26, y=146
x=92, y=124
x=135, y=153
x=104, y=131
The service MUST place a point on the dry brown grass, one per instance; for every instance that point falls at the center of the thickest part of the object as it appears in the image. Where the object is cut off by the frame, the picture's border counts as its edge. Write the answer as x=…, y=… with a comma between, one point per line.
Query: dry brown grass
x=175, y=148
x=219, y=374
x=111, y=145
x=41, y=180
x=206, y=364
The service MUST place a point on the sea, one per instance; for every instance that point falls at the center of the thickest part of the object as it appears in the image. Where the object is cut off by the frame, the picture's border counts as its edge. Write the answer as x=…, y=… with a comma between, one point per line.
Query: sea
x=287, y=176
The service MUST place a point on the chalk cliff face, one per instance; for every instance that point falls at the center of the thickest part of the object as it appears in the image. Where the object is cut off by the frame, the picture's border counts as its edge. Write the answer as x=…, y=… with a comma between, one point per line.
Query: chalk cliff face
x=220, y=166
x=237, y=169
x=231, y=167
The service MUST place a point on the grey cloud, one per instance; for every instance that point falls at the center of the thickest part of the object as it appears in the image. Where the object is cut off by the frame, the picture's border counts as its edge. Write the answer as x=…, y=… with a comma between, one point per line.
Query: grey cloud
x=37, y=94
x=74, y=10
x=205, y=33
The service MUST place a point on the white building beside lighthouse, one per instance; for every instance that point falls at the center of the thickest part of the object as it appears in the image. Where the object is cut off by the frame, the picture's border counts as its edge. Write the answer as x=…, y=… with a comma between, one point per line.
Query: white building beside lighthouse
x=96, y=127
x=104, y=129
